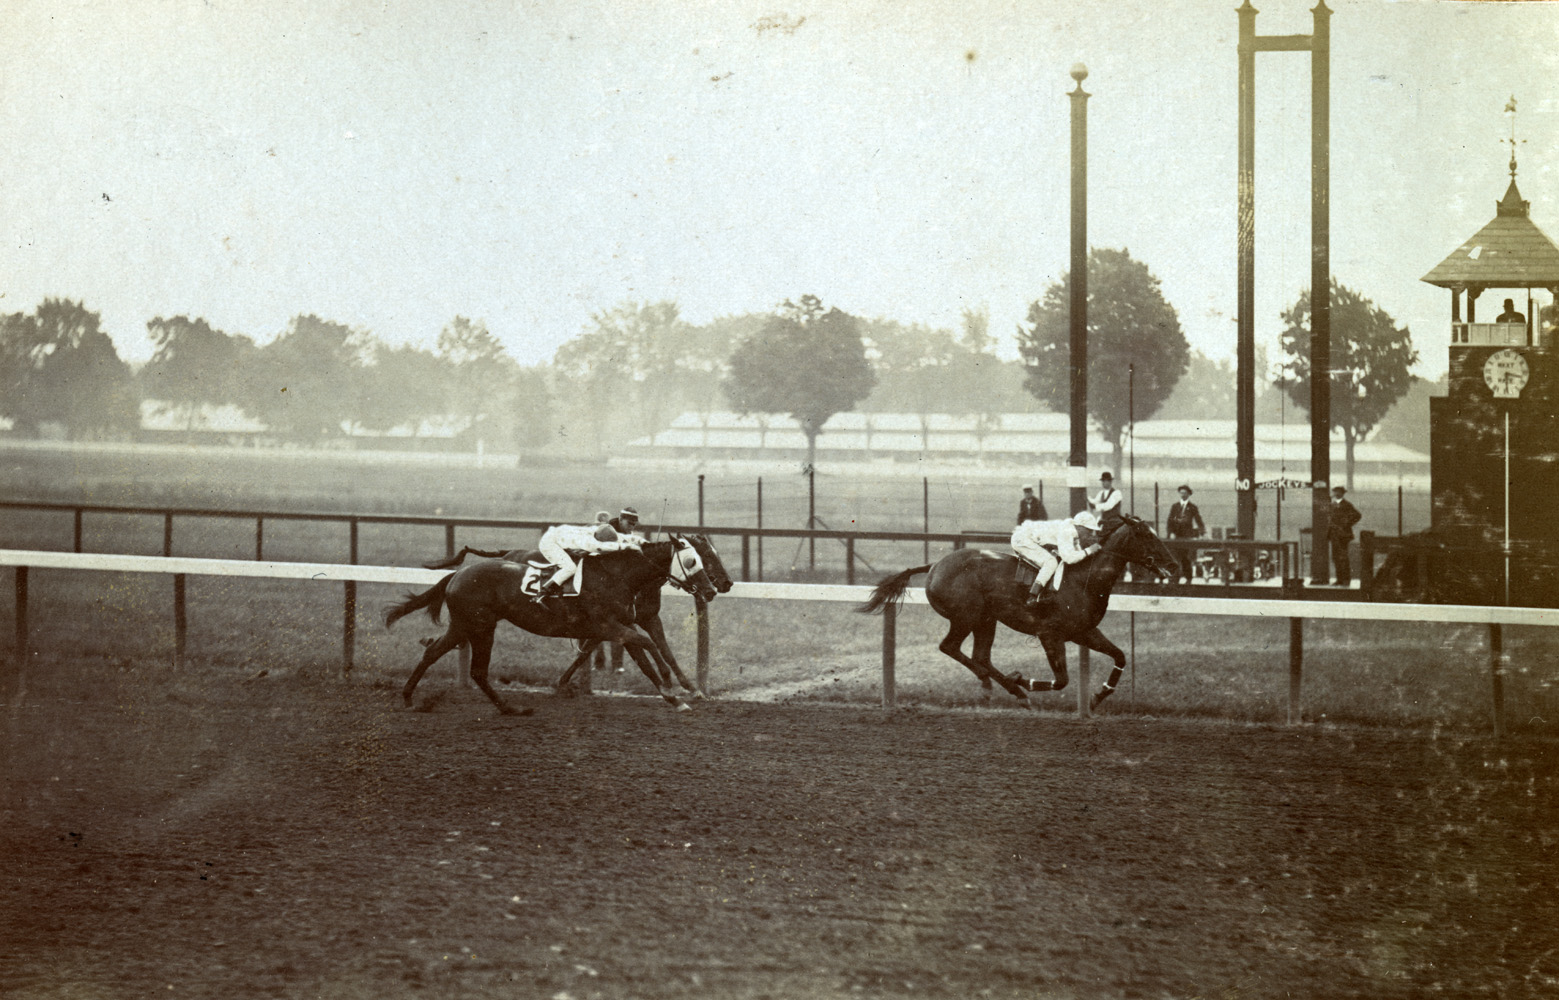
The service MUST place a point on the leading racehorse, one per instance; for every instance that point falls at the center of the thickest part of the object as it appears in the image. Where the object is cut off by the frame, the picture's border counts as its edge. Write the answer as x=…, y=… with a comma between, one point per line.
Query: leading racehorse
x=974, y=589
x=646, y=603
x=484, y=593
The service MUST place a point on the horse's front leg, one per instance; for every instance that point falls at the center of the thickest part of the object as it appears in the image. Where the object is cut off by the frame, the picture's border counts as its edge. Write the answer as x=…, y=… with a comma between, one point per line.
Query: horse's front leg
x=657, y=634
x=1055, y=652
x=1095, y=640
x=644, y=653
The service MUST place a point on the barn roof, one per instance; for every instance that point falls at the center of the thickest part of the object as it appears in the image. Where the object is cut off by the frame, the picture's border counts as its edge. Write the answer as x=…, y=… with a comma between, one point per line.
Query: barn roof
x=1509, y=252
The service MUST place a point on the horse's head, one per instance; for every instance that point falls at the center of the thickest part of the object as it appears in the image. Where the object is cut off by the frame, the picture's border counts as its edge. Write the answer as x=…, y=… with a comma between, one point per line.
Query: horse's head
x=688, y=571
x=1136, y=542
x=712, y=564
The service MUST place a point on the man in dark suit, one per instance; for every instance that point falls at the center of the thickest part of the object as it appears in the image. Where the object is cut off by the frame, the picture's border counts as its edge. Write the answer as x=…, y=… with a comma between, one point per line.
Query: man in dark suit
x=1185, y=521
x=1030, y=508
x=1339, y=532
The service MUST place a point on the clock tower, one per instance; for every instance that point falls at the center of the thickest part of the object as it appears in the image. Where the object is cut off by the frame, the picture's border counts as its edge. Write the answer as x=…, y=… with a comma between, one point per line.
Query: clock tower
x=1494, y=438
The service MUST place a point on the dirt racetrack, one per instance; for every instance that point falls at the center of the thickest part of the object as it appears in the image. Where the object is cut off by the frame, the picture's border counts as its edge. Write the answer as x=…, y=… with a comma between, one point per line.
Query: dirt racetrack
x=217, y=835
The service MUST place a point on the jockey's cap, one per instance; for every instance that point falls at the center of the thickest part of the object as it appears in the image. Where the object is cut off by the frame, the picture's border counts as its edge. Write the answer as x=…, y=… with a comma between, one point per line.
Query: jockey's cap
x=1086, y=519
x=628, y=512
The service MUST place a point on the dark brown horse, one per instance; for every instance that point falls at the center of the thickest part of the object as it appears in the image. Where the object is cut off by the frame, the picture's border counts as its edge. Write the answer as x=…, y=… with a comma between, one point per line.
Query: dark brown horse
x=974, y=589
x=484, y=593
x=646, y=604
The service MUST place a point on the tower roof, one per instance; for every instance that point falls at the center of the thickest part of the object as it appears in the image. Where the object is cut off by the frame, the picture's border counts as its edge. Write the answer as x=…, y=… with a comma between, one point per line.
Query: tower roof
x=1509, y=252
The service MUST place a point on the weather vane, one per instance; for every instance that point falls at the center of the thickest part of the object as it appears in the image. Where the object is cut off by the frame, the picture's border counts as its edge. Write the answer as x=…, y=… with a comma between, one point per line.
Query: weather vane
x=1510, y=109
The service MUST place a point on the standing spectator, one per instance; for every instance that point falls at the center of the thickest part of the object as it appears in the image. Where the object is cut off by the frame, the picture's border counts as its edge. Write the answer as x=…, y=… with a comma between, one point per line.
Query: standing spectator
x=1107, y=505
x=1510, y=315
x=1031, y=507
x=1339, y=532
x=1185, y=521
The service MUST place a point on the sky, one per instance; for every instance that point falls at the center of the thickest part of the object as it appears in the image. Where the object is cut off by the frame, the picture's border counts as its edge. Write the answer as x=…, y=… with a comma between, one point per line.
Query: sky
x=391, y=165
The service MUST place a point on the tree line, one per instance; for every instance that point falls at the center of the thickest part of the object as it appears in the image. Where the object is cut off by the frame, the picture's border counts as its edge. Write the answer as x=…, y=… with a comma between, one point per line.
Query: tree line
x=637, y=365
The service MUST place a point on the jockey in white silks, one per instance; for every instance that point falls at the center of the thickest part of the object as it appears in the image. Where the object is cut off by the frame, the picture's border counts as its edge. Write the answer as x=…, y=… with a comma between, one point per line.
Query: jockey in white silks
x=589, y=539
x=1030, y=539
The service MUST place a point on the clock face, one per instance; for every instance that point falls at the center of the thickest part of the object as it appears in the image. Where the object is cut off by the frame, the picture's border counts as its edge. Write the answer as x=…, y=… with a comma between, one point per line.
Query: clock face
x=1506, y=372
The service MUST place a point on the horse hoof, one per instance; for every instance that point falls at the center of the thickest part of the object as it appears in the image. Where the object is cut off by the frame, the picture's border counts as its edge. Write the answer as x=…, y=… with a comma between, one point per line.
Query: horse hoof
x=699, y=695
x=683, y=706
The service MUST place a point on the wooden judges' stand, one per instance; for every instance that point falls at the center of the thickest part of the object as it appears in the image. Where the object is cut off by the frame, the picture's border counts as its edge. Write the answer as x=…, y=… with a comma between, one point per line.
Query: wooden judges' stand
x=1491, y=484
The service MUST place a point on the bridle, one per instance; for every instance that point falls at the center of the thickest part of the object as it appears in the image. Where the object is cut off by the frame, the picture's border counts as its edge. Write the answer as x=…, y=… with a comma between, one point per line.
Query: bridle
x=686, y=565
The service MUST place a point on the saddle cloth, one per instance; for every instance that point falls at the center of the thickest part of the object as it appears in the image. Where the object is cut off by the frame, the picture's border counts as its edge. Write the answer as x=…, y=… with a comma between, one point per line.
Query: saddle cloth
x=538, y=573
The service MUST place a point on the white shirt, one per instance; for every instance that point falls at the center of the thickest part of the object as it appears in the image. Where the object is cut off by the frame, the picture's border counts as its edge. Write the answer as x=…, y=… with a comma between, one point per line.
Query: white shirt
x=1108, y=499
x=582, y=538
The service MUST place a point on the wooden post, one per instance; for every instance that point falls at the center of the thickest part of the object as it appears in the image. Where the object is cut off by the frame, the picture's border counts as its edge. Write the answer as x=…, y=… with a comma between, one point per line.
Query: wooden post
x=21, y=616
x=890, y=613
x=1497, y=676
x=167, y=535
x=449, y=541
x=1296, y=659
x=925, y=510
x=349, y=627
x=78, y=529
x=760, y=528
x=746, y=556
x=180, y=622
x=1084, y=683
x=701, y=609
x=849, y=561
x=259, y=539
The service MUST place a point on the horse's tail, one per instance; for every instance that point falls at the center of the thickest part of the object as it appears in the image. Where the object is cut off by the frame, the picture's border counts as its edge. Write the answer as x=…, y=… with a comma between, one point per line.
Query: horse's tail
x=459, y=557
x=890, y=590
x=432, y=599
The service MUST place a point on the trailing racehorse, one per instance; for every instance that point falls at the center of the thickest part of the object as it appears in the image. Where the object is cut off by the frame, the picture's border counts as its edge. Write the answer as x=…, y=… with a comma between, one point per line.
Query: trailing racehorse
x=646, y=603
x=482, y=594
x=974, y=589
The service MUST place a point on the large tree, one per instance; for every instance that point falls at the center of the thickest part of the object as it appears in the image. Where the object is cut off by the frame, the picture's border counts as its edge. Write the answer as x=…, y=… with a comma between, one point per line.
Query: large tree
x=1136, y=349
x=807, y=362
x=1370, y=361
x=58, y=366
x=638, y=364
x=307, y=382
x=194, y=364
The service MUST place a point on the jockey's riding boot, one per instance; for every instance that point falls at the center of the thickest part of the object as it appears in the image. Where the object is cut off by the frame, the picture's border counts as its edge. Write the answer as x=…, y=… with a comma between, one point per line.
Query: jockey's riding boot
x=552, y=589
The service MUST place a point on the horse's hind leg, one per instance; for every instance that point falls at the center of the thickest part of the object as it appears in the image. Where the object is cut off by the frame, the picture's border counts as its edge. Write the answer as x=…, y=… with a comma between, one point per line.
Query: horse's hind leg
x=952, y=645
x=1095, y=640
x=481, y=655
x=435, y=649
x=586, y=647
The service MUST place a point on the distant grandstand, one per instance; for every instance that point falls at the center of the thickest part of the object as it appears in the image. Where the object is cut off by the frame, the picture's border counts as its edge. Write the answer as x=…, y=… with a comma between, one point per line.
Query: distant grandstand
x=1005, y=440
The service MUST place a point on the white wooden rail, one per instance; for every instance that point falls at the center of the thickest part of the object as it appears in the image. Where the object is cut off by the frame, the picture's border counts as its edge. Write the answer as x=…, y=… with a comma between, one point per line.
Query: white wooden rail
x=350, y=575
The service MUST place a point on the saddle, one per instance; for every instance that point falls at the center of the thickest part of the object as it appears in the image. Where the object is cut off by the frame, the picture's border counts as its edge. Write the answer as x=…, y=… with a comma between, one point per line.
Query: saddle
x=539, y=571
x=1026, y=571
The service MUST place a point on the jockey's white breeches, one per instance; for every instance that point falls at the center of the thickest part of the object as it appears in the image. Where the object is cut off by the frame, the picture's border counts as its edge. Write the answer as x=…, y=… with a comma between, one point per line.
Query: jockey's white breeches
x=1038, y=555
x=558, y=556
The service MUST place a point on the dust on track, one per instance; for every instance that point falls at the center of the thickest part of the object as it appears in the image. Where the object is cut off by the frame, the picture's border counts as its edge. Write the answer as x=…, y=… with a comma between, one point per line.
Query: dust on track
x=300, y=836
